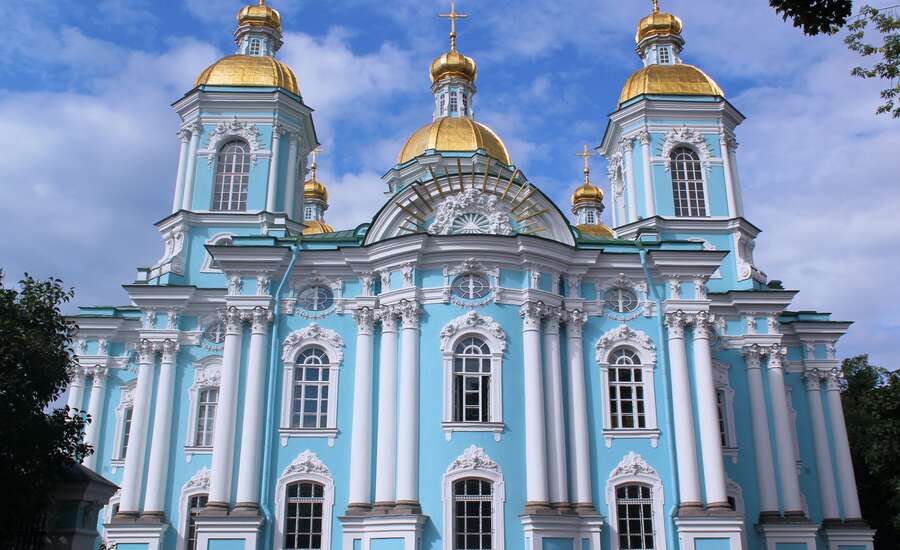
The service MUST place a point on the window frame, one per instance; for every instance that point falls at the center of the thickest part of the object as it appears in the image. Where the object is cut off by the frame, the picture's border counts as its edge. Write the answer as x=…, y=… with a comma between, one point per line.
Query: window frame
x=634, y=470
x=474, y=463
x=663, y=52
x=219, y=239
x=259, y=47
x=701, y=170
x=197, y=485
x=126, y=401
x=247, y=161
x=723, y=388
x=207, y=375
x=307, y=467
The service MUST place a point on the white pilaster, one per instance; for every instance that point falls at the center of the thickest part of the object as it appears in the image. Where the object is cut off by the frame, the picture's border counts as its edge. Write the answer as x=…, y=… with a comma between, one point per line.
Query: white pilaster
x=683, y=411
x=648, y=174
x=137, y=440
x=628, y=159
x=787, y=468
x=254, y=411
x=290, y=189
x=559, y=491
x=762, y=444
x=729, y=176
x=95, y=410
x=735, y=177
x=184, y=135
x=226, y=413
x=361, y=432
x=386, y=456
x=824, y=467
x=846, y=479
x=579, y=441
x=154, y=502
x=272, y=188
x=190, y=171
x=708, y=415
x=537, y=494
x=75, y=399
x=408, y=409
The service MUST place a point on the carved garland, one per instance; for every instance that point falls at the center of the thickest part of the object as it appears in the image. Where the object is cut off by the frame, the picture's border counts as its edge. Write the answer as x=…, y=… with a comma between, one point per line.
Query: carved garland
x=468, y=321
x=623, y=334
x=472, y=202
x=200, y=480
x=234, y=128
x=633, y=465
x=690, y=137
x=313, y=332
x=473, y=458
x=307, y=462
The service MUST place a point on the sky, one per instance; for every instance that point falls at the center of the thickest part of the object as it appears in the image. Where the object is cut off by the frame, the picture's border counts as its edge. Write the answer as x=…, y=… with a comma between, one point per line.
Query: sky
x=89, y=145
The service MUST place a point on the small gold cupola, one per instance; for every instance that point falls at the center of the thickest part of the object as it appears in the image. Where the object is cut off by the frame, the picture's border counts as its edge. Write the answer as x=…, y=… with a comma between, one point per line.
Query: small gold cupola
x=587, y=203
x=315, y=201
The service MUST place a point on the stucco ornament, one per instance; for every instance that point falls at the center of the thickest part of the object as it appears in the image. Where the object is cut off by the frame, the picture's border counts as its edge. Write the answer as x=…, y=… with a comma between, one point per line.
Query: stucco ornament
x=199, y=480
x=690, y=137
x=234, y=128
x=623, y=334
x=473, y=458
x=313, y=332
x=632, y=465
x=468, y=321
x=471, y=211
x=307, y=462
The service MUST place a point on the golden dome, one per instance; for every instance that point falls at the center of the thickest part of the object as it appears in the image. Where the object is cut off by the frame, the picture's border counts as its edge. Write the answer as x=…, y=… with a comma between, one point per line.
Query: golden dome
x=596, y=230
x=313, y=189
x=249, y=70
x=315, y=227
x=587, y=192
x=679, y=79
x=453, y=64
x=658, y=23
x=454, y=134
x=259, y=15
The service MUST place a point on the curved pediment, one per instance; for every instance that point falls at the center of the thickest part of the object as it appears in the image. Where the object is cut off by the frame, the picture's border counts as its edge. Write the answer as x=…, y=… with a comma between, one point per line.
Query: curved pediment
x=452, y=198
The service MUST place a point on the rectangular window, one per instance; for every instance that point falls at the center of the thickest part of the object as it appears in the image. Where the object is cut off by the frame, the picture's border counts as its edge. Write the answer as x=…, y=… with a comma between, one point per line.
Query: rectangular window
x=664, y=57
x=720, y=407
x=687, y=183
x=472, y=383
x=443, y=104
x=473, y=514
x=232, y=178
x=303, y=516
x=589, y=217
x=196, y=504
x=626, y=397
x=465, y=99
x=634, y=509
x=206, y=417
x=310, y=398
x=454, y=103
x=126, y=431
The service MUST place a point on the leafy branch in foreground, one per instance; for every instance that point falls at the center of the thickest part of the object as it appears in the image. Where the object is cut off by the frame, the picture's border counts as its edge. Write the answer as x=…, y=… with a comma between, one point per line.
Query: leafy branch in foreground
x=887, y=23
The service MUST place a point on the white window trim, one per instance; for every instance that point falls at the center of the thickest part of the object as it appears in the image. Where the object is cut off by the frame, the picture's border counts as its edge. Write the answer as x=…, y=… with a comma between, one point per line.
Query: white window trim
x=645, y=305
x=704, y=176
x=197, y=485
x=473, y=267
x=306, y=467
x=207, y=374
x=297, y=341
x=107, y=512
x=475, y=463
x=643, y=346
x=473, y=324
x=795, y=440
x=207, y=266
x=126, y=400
x=633, y=469
x=720, y=370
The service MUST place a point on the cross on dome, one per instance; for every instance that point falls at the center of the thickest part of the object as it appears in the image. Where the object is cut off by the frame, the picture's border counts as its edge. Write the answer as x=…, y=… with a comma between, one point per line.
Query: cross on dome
x=586, y=155
x=453, y=16
x=655, y=5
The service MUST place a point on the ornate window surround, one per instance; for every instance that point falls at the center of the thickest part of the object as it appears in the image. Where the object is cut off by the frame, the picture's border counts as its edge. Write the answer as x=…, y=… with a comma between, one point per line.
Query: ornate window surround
x=474, y=463
x=471, y=266
x=234, y=128
x=306, y=467
x=633, y=469
x=126, y=400
x=692, y=139
x=643, y=346
x=207, y=374
x=297, y=341
x=315, y=279
x=645, y=308
x=720, y=371
x=215, y=240
x=473, y=324
x=197, y=485
x=472, y=201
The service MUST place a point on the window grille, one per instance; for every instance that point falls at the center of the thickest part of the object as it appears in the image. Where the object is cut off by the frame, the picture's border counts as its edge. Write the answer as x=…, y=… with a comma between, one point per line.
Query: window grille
x=626, y=391
x=255, y=47
x=634, y=511
x=316, y=298
x=471, y=286
x=206, y=417
x=720, y=408
x=471, y=381
x=310, y=398
x=664, y=56
x=473, y=514
x=196, y=504
x=454, y=102
x=687, y=183
x=590, y=218
x=621, y=300
x=465, y=102
x=303, y=516
x=232, y=178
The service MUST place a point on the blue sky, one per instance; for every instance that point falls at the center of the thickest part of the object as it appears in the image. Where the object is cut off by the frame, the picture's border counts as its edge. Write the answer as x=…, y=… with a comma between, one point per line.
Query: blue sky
x=90, y=148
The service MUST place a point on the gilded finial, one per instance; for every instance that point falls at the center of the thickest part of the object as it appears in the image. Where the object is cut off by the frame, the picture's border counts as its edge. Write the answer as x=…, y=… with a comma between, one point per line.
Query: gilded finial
x=586, y=155
x=315, y=156
x=655, y=6
x=453, y=16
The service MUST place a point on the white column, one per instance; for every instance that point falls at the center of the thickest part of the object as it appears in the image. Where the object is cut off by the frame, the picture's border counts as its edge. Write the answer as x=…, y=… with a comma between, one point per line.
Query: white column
x=76, y=389
x=735, y=177
x=628, y=159
x=729, y=177
x=272, y=188
x=95, y=410
x=190, y=171
x=386, y=457
x=648, y=174
x=154, y=502
x=254, y=400
x=683, y=411
x=184, y=135
x=226, y=412
x=579, y=440
x=784, y=444
x=762, y=444
x=408, y=413
x=137, y=439
x=824, y=468
x=559, y=491
x=361, y=432
x=708, y=415
x=290, y=191
x=536, y=486
x=846, y=479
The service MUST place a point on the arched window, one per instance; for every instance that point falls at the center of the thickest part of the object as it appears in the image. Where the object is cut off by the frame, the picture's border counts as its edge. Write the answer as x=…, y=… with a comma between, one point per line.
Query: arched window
x=196, y=504
x=687, y=183
x=471, y=380
x=634, y=517
x=309, y=406
x=255, y=47
x=473, y=514
x=303, y=515
x=232, y=177
x=627, y=409
x=221, y=239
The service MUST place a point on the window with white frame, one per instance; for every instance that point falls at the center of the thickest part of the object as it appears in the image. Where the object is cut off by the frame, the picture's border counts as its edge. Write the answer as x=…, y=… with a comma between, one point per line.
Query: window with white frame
x=664, y=57
x=621, y=300
x=203, y=399
x=196, y=504
x=465, y=103
x=443, y=104
x=126, y=431
x=471, y=380
x=232, y=177
x=687, y=183
x=310, y=397
x=471, y=286
x=725, y=410
x=454, y=102
x=304, y=502
x=308, y=213
x=124, y=418
x=627, y=408
x=255, y=47
x=590, y=217
x=221, y=239
x=634, y=495
x=206, y=417
x=634, y=511
x=473, y=514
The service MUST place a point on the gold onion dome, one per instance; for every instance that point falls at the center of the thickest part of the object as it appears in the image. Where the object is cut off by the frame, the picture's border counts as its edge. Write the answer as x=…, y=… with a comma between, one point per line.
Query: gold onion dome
x=456, y=134
x=678, y=79
x=596, y=230
x=249, y=70
x=658, y=23
x=314, y=190
x=260, y=15
x=587, y=192
x=453, y=65
x=315, y=227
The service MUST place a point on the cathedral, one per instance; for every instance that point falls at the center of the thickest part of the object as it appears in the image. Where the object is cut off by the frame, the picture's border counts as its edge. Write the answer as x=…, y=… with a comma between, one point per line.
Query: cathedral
x=475, y=367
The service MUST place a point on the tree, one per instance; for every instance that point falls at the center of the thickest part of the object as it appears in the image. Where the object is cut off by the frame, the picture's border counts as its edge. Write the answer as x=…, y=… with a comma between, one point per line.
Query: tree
x=871, y=402
x=36, y=362
x=815, y=16
x=887, y=23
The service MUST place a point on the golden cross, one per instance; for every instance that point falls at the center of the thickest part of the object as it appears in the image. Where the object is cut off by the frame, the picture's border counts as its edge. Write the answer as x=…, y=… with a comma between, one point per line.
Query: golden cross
x=655, y=6
x=586, y=155
x=453, y=16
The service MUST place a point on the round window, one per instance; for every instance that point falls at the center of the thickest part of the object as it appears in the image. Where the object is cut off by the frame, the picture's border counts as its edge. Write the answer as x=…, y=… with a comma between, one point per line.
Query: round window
x=316, y=298
x=471, y=287
x=214, y=335
x=621, y=300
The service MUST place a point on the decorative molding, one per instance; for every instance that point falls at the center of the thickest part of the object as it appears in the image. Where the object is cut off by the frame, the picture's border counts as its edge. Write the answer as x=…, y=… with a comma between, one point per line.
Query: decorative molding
x=473, y=459
x=312, y=333
x=307, y=462
x=633, y=464
x=469, y=321
x=690, y=137
x=475, y=203
x=625, y=335
x=234, y=128
x=200, y=480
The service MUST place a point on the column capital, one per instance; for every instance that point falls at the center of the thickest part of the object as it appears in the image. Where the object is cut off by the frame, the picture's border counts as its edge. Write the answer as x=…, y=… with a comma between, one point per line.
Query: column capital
x=627, y=144
x=644, y=136
x=146, y=351
x=552, y=316
x=776, y=353
x=184, y=135
x=834, y=380
x=388, y=317
x=259, y=319
x=98, y=372
x=704, y=325
x=575, y=320
x=727, y=139
x=365, y=318
x=196, y=128
x=676, y=322
x=752, y=355
x=169, y=349
x=813, y=379
x=410, y=314
x=279, y=130
x=233, y=320
x=531, y=313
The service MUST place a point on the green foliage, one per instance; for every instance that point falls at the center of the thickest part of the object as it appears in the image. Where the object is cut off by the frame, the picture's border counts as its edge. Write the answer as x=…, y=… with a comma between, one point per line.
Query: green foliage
x=815, y=16
x=872, y=411
x=35, y=365
x=887, y=24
